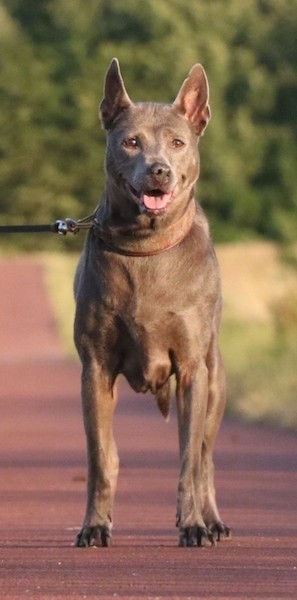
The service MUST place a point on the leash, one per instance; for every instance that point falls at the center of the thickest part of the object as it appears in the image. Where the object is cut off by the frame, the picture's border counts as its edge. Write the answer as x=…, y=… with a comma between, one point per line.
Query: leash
x=61, y=226
x=173, y=236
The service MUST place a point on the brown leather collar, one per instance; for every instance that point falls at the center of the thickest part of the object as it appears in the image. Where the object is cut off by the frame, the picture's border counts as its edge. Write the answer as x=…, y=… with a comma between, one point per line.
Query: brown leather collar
x=169, y=238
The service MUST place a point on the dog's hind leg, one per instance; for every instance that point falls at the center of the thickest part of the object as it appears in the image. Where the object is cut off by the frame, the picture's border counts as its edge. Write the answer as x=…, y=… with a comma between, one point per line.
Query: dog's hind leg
x=192, y=391
x=215, y=410
x=99, y=400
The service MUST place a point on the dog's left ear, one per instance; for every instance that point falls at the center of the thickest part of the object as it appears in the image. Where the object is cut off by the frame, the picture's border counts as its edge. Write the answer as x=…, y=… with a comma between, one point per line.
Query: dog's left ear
x=192, y=99
x=115, y=98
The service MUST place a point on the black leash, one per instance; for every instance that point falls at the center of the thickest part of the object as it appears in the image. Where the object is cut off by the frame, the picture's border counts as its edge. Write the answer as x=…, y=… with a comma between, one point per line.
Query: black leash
x=62, y=227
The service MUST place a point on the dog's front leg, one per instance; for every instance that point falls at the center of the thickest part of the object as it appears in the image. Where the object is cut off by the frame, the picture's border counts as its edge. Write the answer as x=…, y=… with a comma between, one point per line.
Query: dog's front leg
x=99, y=401
x=192, y=393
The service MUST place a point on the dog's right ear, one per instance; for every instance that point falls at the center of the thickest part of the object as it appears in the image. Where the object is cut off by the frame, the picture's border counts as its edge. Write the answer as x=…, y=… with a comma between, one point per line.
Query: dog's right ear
x=116, y=99
x=193, y=99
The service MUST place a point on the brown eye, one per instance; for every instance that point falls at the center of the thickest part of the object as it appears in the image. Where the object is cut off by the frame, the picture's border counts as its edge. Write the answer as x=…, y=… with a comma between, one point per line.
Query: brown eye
x=131, y=143
x=176, y=143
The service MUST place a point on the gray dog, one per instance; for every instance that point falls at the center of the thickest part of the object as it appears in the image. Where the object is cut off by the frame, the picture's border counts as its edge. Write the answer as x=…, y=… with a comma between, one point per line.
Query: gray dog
x=149, y=302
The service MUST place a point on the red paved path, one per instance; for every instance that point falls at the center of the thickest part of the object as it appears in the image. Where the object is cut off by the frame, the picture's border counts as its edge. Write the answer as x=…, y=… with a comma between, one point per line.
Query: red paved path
x=42, y=487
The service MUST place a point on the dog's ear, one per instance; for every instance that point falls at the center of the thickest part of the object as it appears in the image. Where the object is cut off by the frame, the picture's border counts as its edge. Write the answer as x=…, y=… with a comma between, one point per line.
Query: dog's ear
x=192, y=99
x=115, y=98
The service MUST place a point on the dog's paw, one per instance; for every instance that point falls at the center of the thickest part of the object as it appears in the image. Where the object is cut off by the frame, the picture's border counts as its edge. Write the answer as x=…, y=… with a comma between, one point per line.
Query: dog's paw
x=195, y=536
x=220, y=531
x=100, y=535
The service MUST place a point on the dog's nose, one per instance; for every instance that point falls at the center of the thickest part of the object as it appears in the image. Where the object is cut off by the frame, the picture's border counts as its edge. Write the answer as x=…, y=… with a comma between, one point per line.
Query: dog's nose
x=159, y=174
x=159, y=169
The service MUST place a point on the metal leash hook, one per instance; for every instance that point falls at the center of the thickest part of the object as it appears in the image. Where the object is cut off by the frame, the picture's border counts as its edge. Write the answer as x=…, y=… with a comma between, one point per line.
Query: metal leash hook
x=73, y=225
x=67, y=226
x=61, y=227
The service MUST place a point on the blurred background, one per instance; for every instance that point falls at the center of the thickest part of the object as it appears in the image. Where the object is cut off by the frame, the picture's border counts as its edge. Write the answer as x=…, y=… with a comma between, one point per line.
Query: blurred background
x=53, y=58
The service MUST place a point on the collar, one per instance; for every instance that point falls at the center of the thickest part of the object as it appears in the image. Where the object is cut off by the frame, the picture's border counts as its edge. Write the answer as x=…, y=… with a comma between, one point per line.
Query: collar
x=165, y=240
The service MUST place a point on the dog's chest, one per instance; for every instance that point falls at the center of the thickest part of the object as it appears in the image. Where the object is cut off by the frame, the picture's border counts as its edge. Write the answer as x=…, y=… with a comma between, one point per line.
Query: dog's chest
x=142, y=317
x=156, y=305
x=148, y=292
x=143, y=313
x=156, y=323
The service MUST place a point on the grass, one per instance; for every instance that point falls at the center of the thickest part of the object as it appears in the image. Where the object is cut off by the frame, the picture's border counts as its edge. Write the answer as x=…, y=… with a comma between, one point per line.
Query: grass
x=259, y=331
x=261, y=373
x=59, y=275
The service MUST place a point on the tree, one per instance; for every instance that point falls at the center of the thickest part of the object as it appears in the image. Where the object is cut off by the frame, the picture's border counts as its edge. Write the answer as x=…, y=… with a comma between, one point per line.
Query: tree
x=53, y=57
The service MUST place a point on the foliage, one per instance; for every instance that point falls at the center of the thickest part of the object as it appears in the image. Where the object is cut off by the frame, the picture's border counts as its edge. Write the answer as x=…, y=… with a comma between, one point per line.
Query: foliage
x=53, y=56
x=259, y=329
x=262, y=376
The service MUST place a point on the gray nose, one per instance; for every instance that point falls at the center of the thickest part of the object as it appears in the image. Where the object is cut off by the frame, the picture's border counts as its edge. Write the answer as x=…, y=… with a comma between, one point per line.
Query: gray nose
x=159, y=169
x=159, y=173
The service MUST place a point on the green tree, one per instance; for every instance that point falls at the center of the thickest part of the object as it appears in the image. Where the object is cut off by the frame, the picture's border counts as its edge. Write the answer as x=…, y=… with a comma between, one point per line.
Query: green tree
x=53, y=56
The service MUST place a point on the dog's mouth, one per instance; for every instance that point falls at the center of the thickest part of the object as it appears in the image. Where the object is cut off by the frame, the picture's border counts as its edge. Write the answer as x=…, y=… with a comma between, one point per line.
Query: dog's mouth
x=154, y=201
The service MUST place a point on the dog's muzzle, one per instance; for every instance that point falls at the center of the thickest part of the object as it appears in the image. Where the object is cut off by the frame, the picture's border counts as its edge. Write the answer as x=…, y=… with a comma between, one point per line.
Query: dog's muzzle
x=157, y=192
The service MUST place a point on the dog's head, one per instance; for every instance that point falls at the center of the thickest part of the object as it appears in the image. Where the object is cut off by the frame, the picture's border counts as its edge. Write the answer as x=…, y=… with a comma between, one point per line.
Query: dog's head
x=152, y=157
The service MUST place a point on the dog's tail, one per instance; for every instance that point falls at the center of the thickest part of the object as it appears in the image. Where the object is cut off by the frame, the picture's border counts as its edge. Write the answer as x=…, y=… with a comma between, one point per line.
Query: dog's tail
x=163, y=399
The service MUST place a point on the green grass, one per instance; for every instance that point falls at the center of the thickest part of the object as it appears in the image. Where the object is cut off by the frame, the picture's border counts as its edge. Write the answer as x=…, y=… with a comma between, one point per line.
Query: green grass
x=261, y=373
x=59, y=275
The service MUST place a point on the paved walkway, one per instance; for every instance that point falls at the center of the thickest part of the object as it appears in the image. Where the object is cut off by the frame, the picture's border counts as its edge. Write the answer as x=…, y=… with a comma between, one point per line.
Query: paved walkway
x=42, y=483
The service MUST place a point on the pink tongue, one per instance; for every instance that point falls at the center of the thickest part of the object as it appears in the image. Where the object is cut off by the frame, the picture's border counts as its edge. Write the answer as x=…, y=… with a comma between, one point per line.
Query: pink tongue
x=156, y=202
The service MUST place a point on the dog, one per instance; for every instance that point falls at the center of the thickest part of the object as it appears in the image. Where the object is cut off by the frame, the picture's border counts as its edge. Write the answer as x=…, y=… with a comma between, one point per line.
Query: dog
x=148, y=301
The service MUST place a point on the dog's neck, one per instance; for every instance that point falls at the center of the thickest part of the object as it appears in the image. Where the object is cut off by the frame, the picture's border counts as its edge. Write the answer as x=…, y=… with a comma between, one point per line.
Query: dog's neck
x=160, y=240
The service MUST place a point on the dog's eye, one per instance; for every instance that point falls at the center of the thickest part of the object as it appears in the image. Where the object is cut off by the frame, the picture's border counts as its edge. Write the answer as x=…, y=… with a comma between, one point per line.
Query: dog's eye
x=176, y=143
x=131, y=143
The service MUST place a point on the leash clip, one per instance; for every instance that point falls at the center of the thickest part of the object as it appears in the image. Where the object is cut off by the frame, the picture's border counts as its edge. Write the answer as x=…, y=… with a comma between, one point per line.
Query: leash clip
x=66, y=225
x=61, y=227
